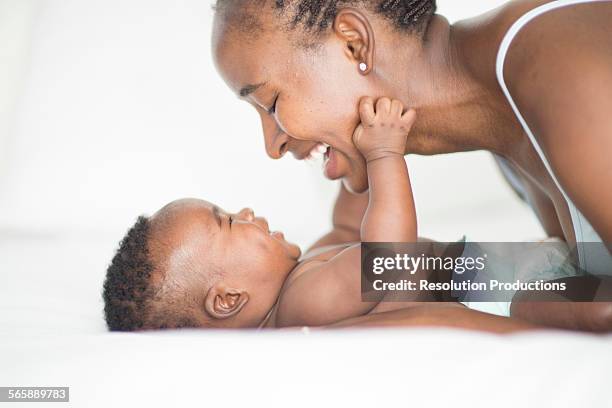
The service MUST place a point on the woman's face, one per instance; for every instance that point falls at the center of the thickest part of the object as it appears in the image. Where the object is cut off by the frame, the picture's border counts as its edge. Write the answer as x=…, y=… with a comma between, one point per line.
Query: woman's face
x=303, y=97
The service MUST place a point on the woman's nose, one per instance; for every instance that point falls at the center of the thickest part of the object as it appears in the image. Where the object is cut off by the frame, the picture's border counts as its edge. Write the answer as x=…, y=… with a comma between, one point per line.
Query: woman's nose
x=275, y=139
x=246, y=214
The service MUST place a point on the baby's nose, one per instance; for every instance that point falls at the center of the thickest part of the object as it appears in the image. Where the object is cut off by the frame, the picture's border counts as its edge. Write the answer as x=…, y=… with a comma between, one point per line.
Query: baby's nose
x=247, y=214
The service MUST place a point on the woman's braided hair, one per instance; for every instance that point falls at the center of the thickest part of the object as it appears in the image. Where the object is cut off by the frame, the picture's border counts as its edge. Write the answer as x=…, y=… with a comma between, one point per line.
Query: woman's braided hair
x=316, y=16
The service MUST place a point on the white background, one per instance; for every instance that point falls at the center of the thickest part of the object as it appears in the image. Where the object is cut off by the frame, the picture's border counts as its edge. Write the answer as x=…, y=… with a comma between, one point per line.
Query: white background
x=110, y=109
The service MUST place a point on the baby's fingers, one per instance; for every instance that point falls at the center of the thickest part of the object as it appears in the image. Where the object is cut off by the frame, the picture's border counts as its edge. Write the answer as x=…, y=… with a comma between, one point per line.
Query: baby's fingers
x=383, y=105
x=366, y=110
x=396, y=108
x=408, y=119
x=357, y=134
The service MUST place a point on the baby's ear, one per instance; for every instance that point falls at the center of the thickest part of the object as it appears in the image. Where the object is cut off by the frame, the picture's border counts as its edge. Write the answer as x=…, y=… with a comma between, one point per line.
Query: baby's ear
x=222, y=302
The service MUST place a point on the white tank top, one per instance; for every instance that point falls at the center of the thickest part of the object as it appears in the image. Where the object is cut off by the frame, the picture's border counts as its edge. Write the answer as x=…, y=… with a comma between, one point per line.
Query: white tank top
x=593, y=258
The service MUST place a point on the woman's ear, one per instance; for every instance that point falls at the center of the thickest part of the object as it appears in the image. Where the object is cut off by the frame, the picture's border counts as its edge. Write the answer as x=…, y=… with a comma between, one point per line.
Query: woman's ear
x=356, y=32
x=222, y=302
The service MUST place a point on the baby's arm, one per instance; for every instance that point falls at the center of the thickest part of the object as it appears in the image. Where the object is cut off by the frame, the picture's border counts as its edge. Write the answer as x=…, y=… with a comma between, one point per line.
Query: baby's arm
x=387, y=179
x=381, y=138
x=330, y=291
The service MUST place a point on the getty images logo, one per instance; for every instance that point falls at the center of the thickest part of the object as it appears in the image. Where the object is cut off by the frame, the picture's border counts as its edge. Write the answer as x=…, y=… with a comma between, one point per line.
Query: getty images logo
x=412, y=264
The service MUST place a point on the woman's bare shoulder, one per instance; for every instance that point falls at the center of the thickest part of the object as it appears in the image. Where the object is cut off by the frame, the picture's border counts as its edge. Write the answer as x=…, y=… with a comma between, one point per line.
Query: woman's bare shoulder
x=558, y=54
x=559, y=73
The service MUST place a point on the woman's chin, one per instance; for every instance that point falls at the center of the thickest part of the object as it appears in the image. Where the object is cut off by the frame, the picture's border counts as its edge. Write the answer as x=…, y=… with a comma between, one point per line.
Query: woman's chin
x=353, y=176
x=355, y=185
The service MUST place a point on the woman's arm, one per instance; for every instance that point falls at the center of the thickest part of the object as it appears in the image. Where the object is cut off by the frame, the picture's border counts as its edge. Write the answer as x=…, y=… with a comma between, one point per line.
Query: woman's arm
x=550, y=309
x=346, y=219
x=439, y=315
x=568, y=106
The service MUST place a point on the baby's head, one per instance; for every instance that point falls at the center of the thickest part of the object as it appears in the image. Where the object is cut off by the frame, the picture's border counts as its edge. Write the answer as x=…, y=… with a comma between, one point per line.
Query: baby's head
x=194, y=265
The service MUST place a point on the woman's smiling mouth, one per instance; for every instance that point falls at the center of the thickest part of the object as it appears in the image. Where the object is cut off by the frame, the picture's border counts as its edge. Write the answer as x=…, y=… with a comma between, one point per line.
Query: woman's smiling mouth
x=325, y=154
x=317, y=152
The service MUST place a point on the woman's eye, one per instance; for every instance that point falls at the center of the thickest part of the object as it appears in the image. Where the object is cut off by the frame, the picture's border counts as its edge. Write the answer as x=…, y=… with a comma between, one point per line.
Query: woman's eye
x=273, y=107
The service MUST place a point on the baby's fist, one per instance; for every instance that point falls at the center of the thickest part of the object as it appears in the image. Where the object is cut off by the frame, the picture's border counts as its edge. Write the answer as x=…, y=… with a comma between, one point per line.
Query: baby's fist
x=383, y=129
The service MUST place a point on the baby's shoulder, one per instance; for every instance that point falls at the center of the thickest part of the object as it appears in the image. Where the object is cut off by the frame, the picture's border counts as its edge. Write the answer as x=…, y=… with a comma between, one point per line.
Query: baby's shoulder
x=326, y=252
x=315, y=258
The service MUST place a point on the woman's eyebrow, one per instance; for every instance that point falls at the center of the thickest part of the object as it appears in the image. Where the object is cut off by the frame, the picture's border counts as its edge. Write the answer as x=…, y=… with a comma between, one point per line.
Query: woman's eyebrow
x=249, y=89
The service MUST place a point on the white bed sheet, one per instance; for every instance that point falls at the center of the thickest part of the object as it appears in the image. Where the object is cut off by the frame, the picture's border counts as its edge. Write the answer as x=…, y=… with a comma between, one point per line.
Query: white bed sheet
x=52, y=334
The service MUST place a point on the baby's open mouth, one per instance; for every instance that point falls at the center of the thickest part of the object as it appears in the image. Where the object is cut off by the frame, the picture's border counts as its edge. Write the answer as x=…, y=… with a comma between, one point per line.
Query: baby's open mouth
x=262, y=223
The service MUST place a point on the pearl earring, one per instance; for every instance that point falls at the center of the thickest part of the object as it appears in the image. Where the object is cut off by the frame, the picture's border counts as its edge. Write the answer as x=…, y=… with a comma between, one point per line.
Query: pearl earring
x=363, y=66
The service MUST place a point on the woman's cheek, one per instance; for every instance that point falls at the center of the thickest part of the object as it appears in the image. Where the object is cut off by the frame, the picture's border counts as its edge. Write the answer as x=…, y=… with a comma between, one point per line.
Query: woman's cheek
x=302, y=123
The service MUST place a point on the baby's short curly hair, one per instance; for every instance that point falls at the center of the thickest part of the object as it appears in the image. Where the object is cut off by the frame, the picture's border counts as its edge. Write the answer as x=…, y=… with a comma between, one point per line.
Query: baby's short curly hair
x=131, y=300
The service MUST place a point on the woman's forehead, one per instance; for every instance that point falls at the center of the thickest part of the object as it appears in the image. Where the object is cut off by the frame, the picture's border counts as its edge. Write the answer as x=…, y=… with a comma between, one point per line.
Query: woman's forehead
x=242, y=60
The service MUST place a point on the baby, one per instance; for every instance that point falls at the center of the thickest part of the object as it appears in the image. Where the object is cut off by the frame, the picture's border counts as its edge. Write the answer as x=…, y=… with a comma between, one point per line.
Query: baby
x=193, y=264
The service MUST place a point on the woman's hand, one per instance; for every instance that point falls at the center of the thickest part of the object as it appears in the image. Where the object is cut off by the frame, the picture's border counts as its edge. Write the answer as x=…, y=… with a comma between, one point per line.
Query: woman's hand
x=383, y=131
x=450, y=315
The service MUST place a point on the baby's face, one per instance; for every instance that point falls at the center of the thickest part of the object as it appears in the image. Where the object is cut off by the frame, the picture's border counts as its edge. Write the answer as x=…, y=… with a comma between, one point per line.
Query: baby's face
x=203, y=245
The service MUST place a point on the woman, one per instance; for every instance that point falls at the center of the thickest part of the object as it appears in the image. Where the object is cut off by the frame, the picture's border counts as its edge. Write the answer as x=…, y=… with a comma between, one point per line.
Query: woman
x=531, y=82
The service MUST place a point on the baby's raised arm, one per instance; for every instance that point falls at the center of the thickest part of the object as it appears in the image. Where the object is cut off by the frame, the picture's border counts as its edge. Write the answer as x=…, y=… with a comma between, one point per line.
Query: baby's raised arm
x=381, y=138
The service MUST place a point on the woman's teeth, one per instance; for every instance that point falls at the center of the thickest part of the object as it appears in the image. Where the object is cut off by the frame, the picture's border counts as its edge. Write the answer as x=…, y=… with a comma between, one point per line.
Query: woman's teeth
x=317, y=154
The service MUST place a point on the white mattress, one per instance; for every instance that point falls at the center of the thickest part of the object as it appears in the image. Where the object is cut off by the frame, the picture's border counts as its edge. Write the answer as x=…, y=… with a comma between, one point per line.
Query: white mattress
x=52, y=334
